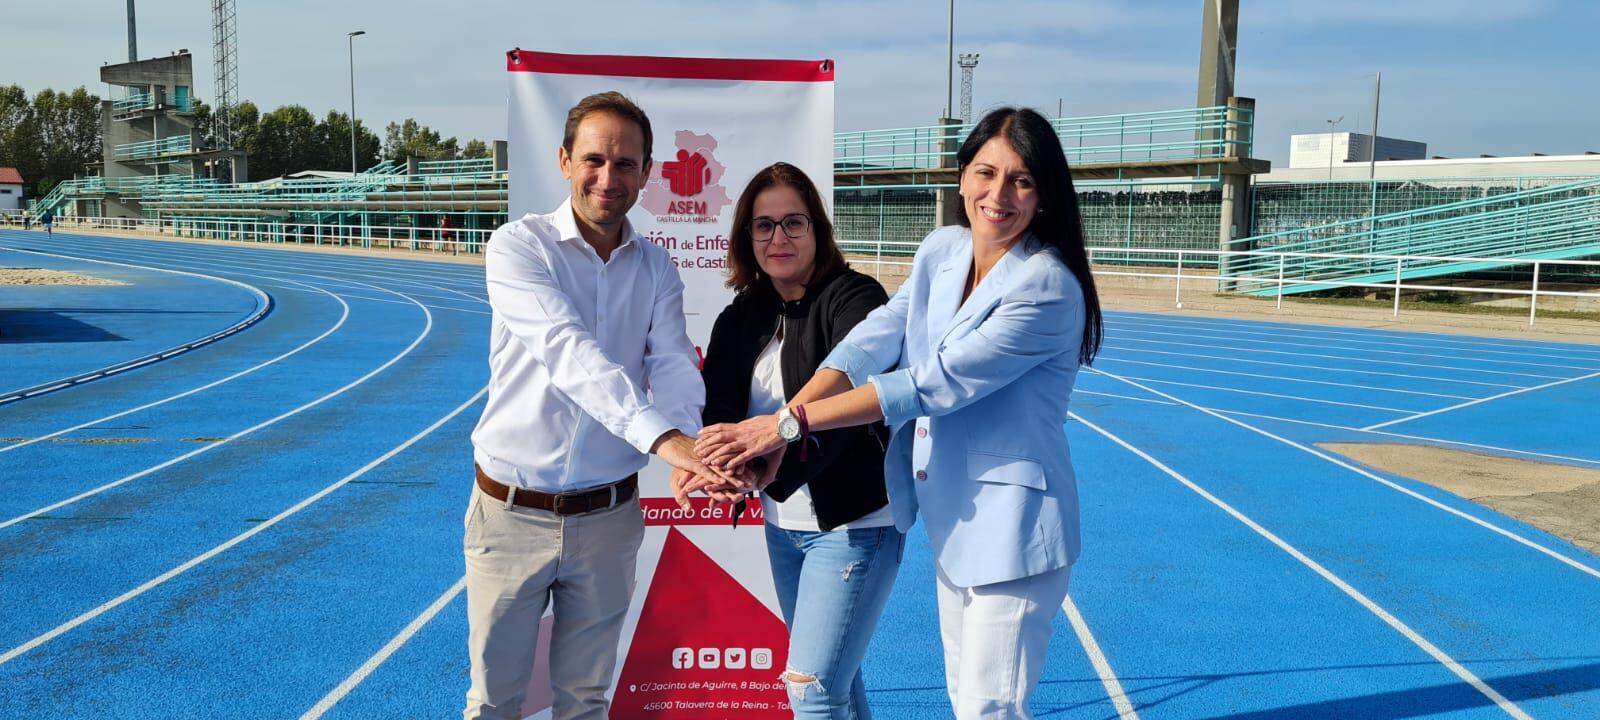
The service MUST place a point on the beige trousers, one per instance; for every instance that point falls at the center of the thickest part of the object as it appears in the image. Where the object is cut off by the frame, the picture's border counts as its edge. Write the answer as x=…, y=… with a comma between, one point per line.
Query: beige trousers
x=520, y=560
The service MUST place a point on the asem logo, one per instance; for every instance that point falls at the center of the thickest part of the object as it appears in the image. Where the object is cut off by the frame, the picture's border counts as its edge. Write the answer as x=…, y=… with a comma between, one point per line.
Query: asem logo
x=687, y=176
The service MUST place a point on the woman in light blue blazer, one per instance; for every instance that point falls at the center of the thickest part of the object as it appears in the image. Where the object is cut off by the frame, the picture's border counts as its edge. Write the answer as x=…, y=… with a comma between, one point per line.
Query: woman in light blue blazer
x=972, y=363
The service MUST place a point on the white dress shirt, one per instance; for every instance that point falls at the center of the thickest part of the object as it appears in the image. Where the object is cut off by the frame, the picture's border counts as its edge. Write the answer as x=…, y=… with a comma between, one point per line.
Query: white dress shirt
x=589, y=361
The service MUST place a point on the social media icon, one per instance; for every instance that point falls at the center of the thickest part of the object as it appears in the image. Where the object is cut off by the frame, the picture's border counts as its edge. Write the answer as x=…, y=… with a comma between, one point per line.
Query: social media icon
x=682, y=658
x=710, y=658
x=733, y=658
x=761, y=658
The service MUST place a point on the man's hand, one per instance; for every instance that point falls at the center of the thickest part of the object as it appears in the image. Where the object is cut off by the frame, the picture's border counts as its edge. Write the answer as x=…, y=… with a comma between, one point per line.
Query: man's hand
x=732, y=445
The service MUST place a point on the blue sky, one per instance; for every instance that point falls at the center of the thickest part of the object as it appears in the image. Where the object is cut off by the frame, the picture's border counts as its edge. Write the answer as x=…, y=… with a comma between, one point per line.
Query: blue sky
x=1468, y=77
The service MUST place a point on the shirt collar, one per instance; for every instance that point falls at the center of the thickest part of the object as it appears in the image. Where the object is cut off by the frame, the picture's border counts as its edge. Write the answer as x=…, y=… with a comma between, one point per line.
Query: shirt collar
x=567, y=225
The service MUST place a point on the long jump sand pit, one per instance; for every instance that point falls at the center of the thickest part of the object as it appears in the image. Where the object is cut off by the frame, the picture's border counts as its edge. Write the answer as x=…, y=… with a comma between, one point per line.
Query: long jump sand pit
x=41, y=276
x=1560, y=499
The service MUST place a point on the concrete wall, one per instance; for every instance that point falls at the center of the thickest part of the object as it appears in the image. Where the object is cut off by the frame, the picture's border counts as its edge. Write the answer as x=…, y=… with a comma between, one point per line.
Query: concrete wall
x=10, y=197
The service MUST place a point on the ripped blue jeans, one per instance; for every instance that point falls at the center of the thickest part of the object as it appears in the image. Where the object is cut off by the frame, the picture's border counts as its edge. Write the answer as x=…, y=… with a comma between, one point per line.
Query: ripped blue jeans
x=832, y=587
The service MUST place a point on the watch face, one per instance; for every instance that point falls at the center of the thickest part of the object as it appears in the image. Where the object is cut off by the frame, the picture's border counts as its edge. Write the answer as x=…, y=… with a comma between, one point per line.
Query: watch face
x=788, y=428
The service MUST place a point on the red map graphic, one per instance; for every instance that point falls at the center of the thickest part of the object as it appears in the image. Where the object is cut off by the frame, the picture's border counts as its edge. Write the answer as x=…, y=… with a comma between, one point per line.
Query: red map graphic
x=705, y=648
x=688, y=186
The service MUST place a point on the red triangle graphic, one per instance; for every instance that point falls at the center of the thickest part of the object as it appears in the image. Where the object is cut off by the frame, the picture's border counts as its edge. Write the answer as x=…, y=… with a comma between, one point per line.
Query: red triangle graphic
x=705, y=648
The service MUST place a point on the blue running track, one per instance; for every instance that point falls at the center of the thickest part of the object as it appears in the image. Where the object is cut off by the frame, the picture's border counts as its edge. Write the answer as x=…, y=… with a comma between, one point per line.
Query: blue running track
x=237, y=530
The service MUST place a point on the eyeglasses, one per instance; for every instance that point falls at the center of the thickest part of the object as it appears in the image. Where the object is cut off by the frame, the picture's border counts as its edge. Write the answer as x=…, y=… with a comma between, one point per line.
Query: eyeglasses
x=794, y=226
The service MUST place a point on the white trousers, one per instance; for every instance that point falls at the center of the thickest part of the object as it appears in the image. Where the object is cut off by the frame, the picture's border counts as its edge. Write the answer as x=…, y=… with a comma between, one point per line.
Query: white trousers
x=995, y=638
x=520, y=560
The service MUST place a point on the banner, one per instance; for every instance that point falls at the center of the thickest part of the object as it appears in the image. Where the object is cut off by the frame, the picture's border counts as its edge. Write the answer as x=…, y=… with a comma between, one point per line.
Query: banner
x=704, y=637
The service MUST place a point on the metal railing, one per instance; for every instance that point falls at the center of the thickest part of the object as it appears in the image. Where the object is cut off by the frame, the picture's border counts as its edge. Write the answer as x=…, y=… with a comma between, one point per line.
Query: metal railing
x=1191, y=265
x=410, y=238
x=134, y=101
x=164, y=147
x=1553, y=222
x=1184, y=134
x=1284, y=277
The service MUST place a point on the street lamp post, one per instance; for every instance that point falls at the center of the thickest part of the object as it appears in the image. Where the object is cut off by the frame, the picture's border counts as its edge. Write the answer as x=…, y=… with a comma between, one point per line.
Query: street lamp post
x=1334, y=123
x=351, y=37
x=950, y=64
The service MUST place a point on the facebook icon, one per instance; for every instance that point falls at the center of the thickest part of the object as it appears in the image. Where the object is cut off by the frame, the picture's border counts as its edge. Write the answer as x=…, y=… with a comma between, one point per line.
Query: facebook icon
x=682, y=658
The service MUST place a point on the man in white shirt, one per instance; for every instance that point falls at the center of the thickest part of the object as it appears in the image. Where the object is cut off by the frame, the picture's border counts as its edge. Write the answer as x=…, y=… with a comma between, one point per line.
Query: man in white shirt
x=590, y=370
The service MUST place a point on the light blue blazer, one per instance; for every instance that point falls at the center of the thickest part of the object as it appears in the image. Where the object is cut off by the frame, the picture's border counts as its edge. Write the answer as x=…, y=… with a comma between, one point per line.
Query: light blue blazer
x=993, y=375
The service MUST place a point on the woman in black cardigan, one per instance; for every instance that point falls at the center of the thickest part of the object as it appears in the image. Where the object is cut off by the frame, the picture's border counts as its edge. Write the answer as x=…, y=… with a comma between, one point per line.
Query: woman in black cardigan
x=831, y=540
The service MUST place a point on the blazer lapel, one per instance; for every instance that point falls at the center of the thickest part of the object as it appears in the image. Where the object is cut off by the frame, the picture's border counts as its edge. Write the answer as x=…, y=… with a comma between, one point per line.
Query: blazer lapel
x=945, y=292
x=991, y=290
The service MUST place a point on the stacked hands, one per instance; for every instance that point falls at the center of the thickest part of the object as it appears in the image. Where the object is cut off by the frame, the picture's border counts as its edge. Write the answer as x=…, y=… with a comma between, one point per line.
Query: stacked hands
x=727, y=461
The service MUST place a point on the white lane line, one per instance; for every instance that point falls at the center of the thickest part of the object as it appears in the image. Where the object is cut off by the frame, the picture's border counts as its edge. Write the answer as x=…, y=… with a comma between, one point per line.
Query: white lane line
x=1346, y=358
x=1388, y=618
x=427, y=328
x=1262, y=394
x=1097, y=658
x=343, y=316
x=366, y=269
x=360, y=675
x=328, y=280
x=1480, y=401
x=209, y=259
x=1467, y=342
x=1081, y=391
x=1375, y=388
x=1370, y=476
x=1418, y=438
x=1324, y=346
x=1350, y=340
x=366, y=298
x=264, y=305
x=194, y=562
x=1318, y=368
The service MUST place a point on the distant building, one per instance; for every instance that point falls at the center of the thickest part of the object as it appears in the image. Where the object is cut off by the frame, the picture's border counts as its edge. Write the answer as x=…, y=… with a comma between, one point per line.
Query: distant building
x=149, y=133
x=1312, y=150
x=10, y=189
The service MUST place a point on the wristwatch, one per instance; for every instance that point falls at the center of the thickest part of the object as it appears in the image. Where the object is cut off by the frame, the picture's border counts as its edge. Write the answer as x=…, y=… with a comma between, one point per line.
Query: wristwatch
x=788, y=425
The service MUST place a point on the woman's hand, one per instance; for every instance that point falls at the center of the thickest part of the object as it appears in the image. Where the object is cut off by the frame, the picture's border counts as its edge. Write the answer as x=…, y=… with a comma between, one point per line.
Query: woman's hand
x=732, y=445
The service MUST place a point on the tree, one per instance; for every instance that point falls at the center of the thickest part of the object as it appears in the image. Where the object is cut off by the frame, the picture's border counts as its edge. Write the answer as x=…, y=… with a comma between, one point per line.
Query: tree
x=333, y=140
x=476, y=150
x=410, y=138
x=52, y=138
x=284, y=141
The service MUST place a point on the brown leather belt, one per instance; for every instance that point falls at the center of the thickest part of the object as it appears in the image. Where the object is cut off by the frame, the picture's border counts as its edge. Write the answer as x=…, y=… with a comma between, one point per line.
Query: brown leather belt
x=575, y=503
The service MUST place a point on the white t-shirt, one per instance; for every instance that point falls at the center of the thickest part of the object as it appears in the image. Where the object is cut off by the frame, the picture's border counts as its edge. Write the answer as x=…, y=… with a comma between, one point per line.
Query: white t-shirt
x=796, y=513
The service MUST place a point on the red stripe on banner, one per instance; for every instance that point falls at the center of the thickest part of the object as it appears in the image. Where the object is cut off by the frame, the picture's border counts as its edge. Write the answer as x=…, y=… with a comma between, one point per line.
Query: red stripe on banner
x=665, y=512
x=670, y=67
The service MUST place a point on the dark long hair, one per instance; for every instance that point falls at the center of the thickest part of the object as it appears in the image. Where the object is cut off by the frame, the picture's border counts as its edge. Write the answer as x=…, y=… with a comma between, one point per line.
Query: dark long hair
x=1058, y=222
x=744, y=273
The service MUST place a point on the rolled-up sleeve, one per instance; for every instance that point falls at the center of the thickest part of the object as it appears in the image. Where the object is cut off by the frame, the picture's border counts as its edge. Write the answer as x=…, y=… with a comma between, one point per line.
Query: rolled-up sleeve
x=874, y=344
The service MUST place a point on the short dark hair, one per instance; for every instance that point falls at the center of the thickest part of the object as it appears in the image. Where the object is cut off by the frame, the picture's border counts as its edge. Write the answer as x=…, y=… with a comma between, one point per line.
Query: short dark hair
x=1058, y=222
x=611, y=103
x=744, y=273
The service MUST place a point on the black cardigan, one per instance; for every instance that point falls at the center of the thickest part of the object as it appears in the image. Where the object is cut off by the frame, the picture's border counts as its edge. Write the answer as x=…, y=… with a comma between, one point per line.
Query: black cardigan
x=844, y=466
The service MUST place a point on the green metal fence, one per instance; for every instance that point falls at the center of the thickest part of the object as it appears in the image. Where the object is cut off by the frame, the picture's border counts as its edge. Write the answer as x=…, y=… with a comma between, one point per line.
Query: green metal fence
x=1552, y=221
x=1183, y=134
